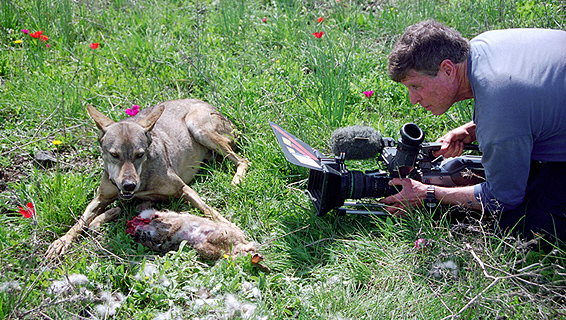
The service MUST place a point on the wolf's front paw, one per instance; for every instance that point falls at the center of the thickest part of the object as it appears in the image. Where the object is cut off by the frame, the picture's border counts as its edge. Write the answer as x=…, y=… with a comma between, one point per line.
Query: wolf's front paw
x=58, y=247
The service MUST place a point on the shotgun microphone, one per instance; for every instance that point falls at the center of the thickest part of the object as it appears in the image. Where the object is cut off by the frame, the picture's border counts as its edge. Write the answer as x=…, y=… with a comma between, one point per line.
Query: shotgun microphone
x=356, y=142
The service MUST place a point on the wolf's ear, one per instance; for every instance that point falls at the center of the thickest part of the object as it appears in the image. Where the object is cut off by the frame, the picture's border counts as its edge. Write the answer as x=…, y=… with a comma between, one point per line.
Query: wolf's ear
x=100, y=119
x=149, y=121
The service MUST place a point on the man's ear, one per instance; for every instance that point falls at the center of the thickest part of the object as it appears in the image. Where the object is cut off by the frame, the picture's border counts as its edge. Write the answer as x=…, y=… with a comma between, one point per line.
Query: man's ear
x=448, y=67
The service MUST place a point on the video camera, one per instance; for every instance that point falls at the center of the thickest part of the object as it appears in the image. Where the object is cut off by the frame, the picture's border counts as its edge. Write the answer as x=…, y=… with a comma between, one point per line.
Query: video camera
x=330, y=183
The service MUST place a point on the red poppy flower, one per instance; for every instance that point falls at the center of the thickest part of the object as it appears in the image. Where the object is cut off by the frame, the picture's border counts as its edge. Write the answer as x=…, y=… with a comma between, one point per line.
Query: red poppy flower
x=27, y=212
x=319, y=20
x=36, y=34
x=43, y=38
x=318, y=34
x=94, y=45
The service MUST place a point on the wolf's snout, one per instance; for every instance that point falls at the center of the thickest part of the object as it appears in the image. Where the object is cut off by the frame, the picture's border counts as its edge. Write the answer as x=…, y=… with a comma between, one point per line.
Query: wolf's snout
x=129, y=185
x=129, y=177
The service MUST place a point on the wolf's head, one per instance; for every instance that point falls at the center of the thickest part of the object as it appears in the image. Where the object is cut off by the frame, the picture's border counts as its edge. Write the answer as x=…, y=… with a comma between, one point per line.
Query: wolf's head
x=124, y=148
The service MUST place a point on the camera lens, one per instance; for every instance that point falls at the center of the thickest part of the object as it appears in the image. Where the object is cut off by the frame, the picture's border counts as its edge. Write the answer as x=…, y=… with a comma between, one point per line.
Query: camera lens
x=358, y=185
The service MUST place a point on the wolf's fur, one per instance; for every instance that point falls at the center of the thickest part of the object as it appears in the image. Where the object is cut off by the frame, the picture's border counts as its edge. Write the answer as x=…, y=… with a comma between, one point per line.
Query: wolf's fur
x=154, y=155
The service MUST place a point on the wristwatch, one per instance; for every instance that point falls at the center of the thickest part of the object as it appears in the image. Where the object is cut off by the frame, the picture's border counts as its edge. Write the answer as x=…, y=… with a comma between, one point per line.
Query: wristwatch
x=430, y=200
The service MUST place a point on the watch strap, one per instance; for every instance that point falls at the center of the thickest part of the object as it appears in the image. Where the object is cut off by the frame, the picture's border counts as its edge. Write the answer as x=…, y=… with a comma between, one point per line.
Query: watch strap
x=430, y=200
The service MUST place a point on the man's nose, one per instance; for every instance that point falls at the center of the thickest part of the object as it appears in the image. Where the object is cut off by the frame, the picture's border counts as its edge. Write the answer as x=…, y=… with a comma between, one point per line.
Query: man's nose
x=414, y=97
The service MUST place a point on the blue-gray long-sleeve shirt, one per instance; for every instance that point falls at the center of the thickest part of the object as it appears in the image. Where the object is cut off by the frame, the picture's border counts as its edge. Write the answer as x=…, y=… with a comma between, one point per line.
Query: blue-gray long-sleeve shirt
x=518, y=78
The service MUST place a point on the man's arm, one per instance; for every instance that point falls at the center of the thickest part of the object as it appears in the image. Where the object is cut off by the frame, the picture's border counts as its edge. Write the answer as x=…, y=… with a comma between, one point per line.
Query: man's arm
x=462, y=196
x=414, y=192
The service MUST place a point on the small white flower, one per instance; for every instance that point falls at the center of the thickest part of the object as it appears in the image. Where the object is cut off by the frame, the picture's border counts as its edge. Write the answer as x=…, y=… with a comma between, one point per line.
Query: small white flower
x=173, y=313
x=151, y=272
x=333, y=280
x=77, y=279
x=111, y=303
x=247, y=286
x=148, y=272
x=10, y=286
x=199, y=303
x=450, y=266
x=68, y=283
x=256, y=293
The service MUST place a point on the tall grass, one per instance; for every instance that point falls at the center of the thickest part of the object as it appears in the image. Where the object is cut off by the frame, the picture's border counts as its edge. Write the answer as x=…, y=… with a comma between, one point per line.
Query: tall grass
x=257, y=61
x=330, y=67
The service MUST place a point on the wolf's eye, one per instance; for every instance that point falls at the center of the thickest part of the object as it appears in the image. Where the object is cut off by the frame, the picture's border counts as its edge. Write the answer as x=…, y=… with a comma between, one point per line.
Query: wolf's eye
x=140, y=155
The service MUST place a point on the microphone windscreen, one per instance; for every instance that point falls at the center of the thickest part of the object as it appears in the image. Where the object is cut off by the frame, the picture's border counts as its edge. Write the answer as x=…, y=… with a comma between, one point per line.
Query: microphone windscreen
x=357, y=142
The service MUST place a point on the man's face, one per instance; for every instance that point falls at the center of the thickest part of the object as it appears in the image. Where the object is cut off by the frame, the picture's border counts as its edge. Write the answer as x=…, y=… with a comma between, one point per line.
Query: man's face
x=435, y=94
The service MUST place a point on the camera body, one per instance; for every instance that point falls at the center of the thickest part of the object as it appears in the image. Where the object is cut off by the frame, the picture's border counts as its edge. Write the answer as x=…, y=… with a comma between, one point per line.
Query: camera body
x=330, y=183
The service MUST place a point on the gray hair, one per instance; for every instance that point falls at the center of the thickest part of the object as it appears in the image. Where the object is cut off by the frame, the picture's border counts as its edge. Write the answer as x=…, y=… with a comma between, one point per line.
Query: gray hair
x=423, y=47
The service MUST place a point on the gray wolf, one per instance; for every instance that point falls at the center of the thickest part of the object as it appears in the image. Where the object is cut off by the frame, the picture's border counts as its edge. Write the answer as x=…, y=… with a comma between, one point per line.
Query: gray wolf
x=153, y=156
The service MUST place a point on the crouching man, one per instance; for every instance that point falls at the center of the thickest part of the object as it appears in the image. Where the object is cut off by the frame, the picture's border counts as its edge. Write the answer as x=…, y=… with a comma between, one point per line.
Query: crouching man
x=517, y=78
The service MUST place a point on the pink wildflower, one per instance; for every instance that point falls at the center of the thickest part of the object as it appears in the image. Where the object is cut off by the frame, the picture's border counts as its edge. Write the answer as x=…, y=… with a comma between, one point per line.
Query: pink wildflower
x=133, y=111
x=421, y=243
x=368, y=93
x=264, y=20
x=25, y=31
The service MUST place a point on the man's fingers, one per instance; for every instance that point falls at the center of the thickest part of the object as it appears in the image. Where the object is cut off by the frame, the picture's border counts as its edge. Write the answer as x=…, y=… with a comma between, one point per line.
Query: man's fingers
x=396, y=200
x=388, y=200
x=454, y=149
x=395, y=182
x=458, y=148
x=443, y=149
x=446, y=149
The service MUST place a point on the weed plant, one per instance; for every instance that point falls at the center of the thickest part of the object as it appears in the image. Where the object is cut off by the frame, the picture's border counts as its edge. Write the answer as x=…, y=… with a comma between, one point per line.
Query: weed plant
x=257, y=61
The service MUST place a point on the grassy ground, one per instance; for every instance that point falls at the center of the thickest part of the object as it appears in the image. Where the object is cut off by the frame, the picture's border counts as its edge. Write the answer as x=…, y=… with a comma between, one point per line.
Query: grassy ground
x=257, y=61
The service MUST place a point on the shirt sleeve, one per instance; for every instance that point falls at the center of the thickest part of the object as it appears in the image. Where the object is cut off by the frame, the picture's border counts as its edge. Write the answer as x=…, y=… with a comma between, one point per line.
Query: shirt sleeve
x=507, y=165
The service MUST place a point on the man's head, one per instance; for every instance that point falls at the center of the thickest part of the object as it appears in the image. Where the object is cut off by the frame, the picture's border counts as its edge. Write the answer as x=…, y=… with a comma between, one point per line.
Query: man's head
x=430, y=60
x=423, y=47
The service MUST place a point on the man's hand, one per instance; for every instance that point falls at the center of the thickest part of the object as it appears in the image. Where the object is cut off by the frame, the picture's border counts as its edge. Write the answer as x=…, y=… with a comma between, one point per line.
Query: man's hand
x=411, y=196
x=453, y=142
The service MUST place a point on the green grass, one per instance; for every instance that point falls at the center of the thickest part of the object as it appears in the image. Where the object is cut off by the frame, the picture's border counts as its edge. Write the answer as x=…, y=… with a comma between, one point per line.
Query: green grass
x=322, y=267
